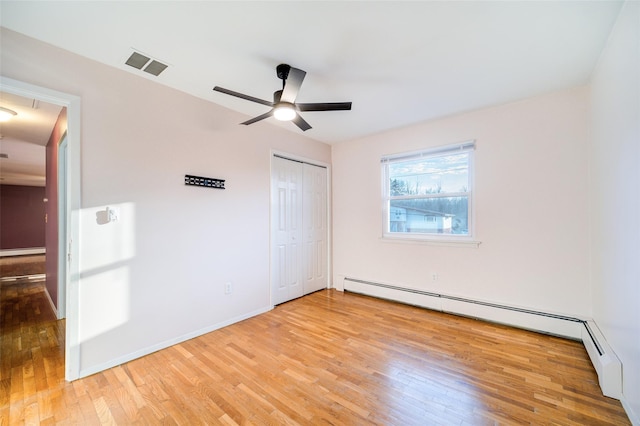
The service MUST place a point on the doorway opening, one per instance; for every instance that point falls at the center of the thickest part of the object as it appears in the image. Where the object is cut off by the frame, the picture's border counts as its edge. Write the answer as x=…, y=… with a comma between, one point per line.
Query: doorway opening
x=68, y=212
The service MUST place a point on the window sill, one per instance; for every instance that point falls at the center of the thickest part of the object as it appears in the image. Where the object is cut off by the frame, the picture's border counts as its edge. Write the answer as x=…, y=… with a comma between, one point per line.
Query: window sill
x=432, y=241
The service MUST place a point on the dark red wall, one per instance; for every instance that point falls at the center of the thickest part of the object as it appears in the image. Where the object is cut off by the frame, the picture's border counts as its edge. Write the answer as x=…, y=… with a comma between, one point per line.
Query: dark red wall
x=51, y=233
x=22, y=211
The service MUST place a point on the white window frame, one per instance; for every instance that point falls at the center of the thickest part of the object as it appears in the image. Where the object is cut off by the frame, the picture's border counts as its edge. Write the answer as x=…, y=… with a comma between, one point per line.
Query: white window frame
x=467, y=239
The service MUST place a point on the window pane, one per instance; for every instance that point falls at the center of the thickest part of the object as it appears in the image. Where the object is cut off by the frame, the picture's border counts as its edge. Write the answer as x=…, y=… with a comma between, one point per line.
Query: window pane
x=440, y=215
x=433, y=175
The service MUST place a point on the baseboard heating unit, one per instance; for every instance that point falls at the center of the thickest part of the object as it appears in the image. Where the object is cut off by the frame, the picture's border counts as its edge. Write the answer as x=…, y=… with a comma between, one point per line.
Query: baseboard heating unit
x=604, y=360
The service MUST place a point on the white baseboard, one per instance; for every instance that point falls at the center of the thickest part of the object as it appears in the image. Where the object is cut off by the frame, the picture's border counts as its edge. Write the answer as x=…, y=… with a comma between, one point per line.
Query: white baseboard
x=53, y=306
x=84, y=372
x=634, y=418
x=22, y=251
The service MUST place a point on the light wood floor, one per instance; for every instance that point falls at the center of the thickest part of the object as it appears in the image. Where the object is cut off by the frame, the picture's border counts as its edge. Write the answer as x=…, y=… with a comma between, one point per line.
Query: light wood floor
x=328, y=358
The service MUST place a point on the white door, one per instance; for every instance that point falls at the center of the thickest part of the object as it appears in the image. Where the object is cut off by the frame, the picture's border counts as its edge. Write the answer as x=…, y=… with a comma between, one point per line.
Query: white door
x=299, y=229
x=314, y=220
x=286, y=225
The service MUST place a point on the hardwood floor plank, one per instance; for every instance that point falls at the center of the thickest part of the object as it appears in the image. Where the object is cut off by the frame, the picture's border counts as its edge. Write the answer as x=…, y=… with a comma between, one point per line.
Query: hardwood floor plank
x=130, y=387
x=104, y=412
x=44, y=406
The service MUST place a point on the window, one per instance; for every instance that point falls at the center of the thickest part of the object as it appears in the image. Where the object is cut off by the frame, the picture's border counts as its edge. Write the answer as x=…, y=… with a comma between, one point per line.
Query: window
x=427, y=194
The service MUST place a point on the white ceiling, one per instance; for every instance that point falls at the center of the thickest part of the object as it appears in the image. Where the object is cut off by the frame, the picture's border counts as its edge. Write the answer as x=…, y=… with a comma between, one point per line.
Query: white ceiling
x=398, y=62
x=23, y=140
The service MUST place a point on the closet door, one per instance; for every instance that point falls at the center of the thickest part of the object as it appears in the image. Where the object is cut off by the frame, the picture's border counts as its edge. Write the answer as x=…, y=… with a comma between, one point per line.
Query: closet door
x=298, y=229
x=286, y=230
x=314, y=221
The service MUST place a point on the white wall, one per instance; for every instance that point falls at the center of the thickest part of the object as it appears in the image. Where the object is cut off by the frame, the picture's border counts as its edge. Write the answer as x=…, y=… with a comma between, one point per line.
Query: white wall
x=614, y=184
x=530, y=208
x=157, y=274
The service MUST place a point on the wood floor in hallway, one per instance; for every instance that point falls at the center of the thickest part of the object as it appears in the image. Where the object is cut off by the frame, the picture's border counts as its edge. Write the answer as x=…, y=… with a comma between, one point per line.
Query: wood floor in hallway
x=327, y=358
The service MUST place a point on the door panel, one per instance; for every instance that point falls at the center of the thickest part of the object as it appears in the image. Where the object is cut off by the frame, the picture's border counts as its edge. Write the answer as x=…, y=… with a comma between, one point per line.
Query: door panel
x=287, y=233
x=315, y=227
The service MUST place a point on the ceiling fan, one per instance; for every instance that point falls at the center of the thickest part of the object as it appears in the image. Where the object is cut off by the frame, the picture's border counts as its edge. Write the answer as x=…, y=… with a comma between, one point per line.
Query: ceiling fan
x=284, y=106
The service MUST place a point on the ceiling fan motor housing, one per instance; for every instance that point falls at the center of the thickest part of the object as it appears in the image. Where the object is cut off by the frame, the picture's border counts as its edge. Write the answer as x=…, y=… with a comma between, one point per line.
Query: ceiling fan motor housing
x=282, y=71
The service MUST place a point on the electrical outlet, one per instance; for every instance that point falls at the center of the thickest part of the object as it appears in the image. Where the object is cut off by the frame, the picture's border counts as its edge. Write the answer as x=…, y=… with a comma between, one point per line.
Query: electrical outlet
x=228, y=288
x=434, y=276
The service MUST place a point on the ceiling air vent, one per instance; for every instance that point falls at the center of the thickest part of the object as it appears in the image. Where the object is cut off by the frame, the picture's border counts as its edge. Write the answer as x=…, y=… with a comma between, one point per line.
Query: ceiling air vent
x=3, y=155
x=146, y=64
x=155, y=68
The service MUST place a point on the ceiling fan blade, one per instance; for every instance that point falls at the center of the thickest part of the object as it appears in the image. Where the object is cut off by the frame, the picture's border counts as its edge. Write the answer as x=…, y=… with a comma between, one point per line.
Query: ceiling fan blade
x=242, y=96
x=292, y=85
x=258, y=118
x=299, y=121
x=326, y=106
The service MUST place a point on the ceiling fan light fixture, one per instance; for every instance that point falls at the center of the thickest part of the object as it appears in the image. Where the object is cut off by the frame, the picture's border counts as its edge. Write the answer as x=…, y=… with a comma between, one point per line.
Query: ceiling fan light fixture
x=6, y=114
x=284, y=111
x=284, y=106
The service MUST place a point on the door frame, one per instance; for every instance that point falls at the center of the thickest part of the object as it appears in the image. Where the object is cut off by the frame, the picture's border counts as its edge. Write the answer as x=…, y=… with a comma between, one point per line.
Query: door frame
x=63, y=226
x=73, y=206
x=313, y=162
